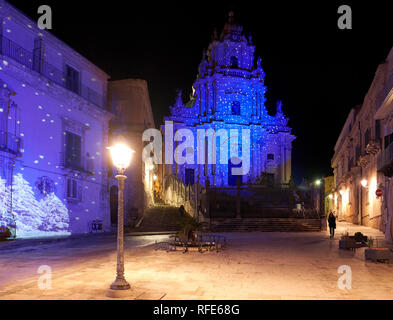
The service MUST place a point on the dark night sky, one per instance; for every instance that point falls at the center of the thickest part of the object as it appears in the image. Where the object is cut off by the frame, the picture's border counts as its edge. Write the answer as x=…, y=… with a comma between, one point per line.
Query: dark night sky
x=317, y=70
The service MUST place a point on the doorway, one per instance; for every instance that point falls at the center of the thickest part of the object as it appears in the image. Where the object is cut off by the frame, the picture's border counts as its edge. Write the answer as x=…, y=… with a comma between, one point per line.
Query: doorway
x=113, y=198
x=234, y=163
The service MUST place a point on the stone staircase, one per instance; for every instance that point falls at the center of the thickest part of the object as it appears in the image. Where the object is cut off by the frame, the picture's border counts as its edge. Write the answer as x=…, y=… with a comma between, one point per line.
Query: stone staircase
x=265, y=225
x=161, y=217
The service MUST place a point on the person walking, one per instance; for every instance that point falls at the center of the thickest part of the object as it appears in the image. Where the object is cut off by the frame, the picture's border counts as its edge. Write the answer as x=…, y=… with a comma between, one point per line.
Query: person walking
x=332, y=223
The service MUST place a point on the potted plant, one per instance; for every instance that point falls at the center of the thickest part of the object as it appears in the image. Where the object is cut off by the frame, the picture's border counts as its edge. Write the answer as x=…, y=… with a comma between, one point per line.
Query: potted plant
x=189, y=226
x=370, y=242
x=5, y=233
x=376, y=254
x=359, y=237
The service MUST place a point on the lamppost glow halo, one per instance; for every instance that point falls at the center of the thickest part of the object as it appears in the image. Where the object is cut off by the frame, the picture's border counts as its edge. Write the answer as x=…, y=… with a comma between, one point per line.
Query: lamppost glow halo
x=121, y=155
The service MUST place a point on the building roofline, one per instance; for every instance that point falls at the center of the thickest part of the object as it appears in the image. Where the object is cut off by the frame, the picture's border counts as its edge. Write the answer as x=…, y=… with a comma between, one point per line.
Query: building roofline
x=49, y=36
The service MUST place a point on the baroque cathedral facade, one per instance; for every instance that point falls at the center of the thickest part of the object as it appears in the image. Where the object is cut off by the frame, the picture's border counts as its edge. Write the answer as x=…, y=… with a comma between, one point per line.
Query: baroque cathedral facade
x=229, y=95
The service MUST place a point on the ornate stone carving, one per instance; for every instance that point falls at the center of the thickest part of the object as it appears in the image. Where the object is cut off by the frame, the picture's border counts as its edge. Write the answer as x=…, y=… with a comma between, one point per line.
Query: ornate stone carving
x=373, y=147
x=364, y=160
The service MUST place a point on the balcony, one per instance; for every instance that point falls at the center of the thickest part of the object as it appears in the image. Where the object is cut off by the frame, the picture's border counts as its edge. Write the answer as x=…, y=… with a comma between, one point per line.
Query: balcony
x=14, y=51
x=386, y=157
x=10, y=143
x=85, y=167
x=385, y=98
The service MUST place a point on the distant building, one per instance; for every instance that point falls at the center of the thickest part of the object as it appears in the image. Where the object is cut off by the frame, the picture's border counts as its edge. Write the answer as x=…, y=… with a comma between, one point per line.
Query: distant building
x=53, y=133
x=129, y=101
x=229, y=94
x=328, y=192
x=363, y=157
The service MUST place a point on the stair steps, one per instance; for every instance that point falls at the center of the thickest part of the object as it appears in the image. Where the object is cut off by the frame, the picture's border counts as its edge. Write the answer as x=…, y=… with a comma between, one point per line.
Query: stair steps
x=160, y=218
x=265, y=225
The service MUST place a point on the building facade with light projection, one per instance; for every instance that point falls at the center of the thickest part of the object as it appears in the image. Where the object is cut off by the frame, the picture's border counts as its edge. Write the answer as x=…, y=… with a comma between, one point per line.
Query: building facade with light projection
x=229, y=100
x=53, y=133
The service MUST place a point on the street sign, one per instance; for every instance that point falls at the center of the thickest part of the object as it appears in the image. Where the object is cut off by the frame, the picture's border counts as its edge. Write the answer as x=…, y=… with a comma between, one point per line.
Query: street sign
x=378, y=193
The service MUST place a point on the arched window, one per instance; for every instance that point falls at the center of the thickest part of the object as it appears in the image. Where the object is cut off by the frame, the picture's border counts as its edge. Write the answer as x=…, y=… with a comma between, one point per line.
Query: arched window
x=236, y=108
x=234, y=62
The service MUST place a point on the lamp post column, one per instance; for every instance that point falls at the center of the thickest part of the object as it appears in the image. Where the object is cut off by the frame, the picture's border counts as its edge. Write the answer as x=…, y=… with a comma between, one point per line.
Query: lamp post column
x=120, y=283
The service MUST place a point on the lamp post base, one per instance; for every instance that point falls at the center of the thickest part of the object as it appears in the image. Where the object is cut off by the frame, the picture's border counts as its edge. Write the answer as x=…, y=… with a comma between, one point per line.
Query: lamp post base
x=120, y=284
x=119, y=293
x=120, y=288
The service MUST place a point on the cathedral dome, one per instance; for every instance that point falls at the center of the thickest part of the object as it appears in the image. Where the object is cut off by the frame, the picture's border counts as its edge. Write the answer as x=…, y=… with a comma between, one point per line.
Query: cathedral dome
x=232, y=31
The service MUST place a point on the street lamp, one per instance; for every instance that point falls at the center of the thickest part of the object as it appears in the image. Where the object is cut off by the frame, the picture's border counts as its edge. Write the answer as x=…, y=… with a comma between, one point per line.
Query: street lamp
x=318, y=182
x=121, y=157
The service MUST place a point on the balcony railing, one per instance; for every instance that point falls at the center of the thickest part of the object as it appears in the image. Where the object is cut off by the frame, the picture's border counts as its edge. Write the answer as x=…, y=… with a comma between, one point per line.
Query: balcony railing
x=81, y=165
x=10, y=143
x=386, y=156
x=21, y=55
x=388, y=86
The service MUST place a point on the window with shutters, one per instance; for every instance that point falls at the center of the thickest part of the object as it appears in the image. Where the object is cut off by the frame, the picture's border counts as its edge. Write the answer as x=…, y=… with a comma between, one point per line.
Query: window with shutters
x=73, y=150
x=74, y=191
x=72, y=79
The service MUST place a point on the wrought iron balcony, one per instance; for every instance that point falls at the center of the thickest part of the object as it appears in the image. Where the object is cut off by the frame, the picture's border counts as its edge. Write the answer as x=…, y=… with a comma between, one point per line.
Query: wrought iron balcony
x=10, y=143
x=83, y=166
x=386, y=157
x=383, y=104
x=34, y=62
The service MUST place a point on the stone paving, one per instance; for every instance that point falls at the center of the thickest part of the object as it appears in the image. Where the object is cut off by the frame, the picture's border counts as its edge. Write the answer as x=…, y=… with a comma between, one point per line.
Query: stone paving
x=254, y=266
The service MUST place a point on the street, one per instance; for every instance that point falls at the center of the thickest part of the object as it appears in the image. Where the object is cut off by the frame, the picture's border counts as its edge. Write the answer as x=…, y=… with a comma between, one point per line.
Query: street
x=253, y=266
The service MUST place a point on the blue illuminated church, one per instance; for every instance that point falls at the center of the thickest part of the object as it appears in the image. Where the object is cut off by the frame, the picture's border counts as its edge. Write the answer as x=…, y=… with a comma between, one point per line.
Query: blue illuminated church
x=229, y=93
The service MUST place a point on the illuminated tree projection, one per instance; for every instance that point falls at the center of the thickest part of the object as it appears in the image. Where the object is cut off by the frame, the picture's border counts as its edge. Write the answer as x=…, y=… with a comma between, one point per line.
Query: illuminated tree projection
x=5, y=215
x=32, y=217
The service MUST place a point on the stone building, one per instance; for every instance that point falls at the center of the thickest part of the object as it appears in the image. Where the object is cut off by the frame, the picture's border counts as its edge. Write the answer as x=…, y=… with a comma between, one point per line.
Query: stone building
x=129, y=101
x=228, y=97
x=53, y=133
x=363, y=156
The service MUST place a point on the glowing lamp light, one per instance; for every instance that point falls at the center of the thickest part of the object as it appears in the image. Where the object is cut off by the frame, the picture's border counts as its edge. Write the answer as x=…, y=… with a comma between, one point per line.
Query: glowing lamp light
x=155, y=177
x=318, y=182
x=121, y=155
x=341, y=191
x=330, y=196
x=364, y=183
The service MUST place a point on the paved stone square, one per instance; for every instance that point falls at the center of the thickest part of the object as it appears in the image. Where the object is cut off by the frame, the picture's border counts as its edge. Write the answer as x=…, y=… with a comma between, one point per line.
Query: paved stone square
x=254, y=266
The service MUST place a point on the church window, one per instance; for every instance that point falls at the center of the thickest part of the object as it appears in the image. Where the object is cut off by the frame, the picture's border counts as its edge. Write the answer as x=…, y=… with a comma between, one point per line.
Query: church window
x=236, y=108
x=234, y=62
